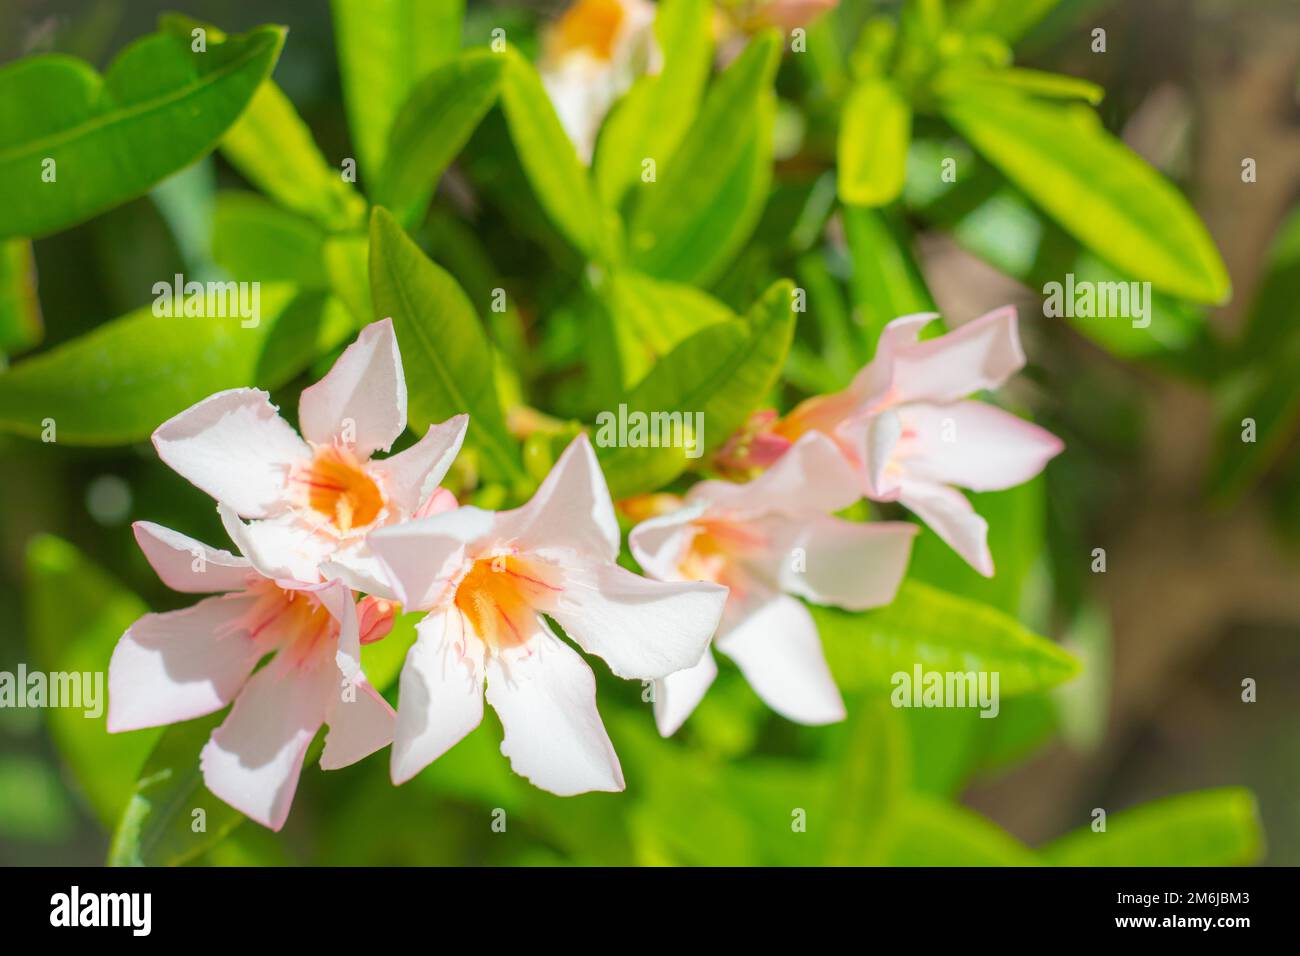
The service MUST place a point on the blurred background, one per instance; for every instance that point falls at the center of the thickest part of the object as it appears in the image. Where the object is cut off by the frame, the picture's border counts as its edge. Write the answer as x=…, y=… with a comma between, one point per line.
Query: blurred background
x=1202, y=533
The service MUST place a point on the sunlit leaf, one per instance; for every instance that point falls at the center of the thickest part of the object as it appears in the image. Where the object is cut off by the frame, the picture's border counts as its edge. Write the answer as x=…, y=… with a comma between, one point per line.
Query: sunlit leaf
x=875, y=126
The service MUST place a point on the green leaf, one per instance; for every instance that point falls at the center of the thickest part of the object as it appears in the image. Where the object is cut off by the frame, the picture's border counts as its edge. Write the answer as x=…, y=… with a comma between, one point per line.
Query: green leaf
x=549, y=159
x=870, y=786
x=117, y=383
x=384, y=49
x=160, y=825
x=158, y=108
x=696, y=201
x=651, y=317
x=940, y=632
x=76, y=613
x=875, y=128
x=443, y=344
x=432, y=126
x=724, y=372
x=650, y=120
x=952, y=80
x=886, y=280
x=20, y=308
x=255, y=240
x=1008, y=19
x=1094, y=186
x=1207, y=828
x=929, y=832
x=274, y=150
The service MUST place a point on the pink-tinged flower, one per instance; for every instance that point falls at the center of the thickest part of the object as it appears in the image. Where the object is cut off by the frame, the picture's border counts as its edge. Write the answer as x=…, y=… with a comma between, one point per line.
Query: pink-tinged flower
x=907, y=427
x=591, y=56
x=767, y=540
x=486, y=579
x=184, y=664
x=313, y=502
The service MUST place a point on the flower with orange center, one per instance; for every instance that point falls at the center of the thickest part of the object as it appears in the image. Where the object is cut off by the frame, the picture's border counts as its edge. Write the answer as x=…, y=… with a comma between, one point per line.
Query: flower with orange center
x=592, y=55
x=301, y=509
x=489, y=581
x=771, y=541
x=183, y=664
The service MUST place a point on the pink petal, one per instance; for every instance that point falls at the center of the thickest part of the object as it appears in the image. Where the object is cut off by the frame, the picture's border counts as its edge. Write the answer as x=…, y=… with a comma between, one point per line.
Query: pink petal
x=678, y=694
x=990, y=449
x=255, y=757
x=850, y=564
x=366, y=389
x=660, y=543
x=982, y=354
x=952, y=518
x=571, y=510
x=420, y=557
x=180, y=665
x=553, y=733
x=642, y=628
x=174, y=557
x=411, y=476
x=441, y=696
x=812, y=476
x=281, y=547
x=235, y=447
x=358, y=727
x=778, y=650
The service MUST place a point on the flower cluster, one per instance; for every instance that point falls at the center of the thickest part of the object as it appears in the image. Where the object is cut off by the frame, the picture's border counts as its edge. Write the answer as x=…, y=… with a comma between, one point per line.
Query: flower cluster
x=332, y=539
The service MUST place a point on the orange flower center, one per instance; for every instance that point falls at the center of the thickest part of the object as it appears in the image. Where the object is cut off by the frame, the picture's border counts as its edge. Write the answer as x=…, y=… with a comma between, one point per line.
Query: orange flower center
x=294, y=622
x=500, y=596
x=716, y=550
x=336, y=486
x=590, y=25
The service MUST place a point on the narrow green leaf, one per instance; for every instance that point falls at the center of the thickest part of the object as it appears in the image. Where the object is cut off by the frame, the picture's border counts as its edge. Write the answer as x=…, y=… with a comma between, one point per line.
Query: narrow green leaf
x=719, y=150
x=76, y=613
x=875, y=128
x=929, y=832
x=1095, y=187
x=650, y=120
x=886, y=281
x=953, y=80
x=1207, y=828
x=940, y=632
x=549, y=159
x=443, y=344
x=1008, y=19
x=274, y=150
x=256, y=240
x=723, y=372
x=651, y=317
x=384, y=49
x=433, y=125
x=20, y=308
x=73, y=143
x=871, y=785
x=117, y=383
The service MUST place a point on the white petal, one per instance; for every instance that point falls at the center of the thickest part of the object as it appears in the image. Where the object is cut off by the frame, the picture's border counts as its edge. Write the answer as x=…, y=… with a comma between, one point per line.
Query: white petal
x=180, y=665
x=571, y=510
x=441, y=697
x=812, y=475
x=778, y=650
x=660, y=543
x=187, y=565
x=850, y=564
x=410, y=476
x=235, y=447
x=357, y=727
x=642, y=628
x=356, y=566
x=974, y=445
x=980, y=355
x=255, y=757
x=877, y=437
x=420, y=557
x=875, y=377
x=553, y=733
x=952, y=518
x=283, y=547
x=365, y=388
x=677, y=695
